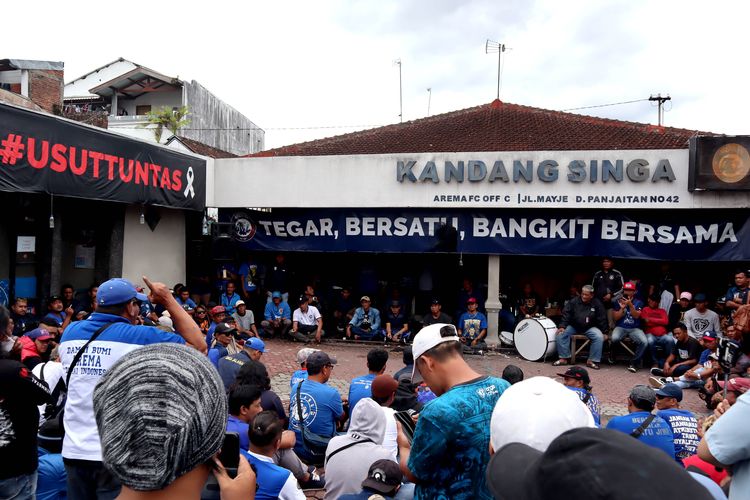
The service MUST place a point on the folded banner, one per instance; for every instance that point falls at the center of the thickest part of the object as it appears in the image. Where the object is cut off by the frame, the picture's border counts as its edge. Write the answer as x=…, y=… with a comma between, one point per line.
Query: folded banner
x=44, y=153
x=721, y=235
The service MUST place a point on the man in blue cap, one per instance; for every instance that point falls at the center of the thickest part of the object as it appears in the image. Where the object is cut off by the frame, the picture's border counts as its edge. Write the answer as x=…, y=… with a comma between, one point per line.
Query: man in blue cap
x=230, y=365
x=277, y=317
x=683, y=423
x=105, y=336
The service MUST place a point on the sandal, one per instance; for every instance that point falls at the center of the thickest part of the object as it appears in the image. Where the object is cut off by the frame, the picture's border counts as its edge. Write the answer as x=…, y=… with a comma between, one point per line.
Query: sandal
x=561, y=362
x=592, y=365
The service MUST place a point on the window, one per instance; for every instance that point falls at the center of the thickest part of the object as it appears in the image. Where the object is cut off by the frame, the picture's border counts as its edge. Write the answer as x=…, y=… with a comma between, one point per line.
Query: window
x=143, y=109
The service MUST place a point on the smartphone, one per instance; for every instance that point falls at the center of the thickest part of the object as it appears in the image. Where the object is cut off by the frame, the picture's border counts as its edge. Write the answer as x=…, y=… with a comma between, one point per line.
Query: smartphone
x=230, y=451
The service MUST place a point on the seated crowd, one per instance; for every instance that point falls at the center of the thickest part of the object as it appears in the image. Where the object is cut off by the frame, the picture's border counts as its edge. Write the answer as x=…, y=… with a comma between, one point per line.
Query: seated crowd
x=143, y=396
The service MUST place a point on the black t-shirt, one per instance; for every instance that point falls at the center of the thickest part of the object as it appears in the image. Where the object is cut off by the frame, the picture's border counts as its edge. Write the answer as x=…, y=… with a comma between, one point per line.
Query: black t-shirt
x=691, y=349
x=430, y=320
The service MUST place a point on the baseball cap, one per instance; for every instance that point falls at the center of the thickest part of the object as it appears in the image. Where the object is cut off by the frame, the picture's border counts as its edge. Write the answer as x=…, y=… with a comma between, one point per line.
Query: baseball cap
x=224, y=329
x=276, y=295
x=578, y=373
x=39, y=334
x=303, y=353
x=55, y=298
x=255, y=343
x=384, y=476
x=435, y=301
x=166, y=321
x=534, y=412
x=670, y=390
x=710, y=335
x=588, y=464
x=365, y=298
x=383, y=386
x=431, y=336
x=628, y=286
x=239, y=303
x=738, y=384
x=700, y=297
x=395, y=303
x=218, y=310
x=643, y=393
x=146, y=415
x=318, y=360
x=471, y=300
x=117, y=291
x=686, y=295
x=303, y=298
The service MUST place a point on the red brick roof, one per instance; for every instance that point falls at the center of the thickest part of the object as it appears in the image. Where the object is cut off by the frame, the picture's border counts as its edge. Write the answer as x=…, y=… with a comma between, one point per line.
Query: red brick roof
x=200, y=148
x=497, y=126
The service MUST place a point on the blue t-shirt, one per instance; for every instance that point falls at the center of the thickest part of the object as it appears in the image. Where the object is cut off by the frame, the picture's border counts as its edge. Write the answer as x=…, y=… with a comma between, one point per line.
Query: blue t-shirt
x=592, y=402
x=270, y=477
x=627, y=320
x=216, y=353
x=273, y=311
x=472, y=324
x=234, y=424
x=684, y=426
x=58, y=318
x=249, y=273
x=230, y=303
x=658, y=434
x=321, y=408
x=51, y=479
x=297, y=377
x=450, y=450
x=360, y=388
x=188, y=305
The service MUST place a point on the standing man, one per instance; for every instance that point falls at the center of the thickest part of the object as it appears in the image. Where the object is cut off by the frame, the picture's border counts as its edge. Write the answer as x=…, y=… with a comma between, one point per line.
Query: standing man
x=684, y=356
x=582, y=315
x=277, y=317
x=701, y=319
x=627, y=314
x=450, y=450
x=245, y=320
x=229, y=299
x=608, y=283
x=249, y=280
x=278, y=278
x=656, y=432
x=23, y=321
x=307, y=323
x=114, y=323
x=678, y=309
x=360, y=387
x=56, y=312
x=472, y=328
x=365, y=324
x=436, y=314
x=683, y=423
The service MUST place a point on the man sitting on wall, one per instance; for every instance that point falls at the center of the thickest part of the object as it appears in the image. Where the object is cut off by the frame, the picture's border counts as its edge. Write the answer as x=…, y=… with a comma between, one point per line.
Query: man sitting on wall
x=365, y=324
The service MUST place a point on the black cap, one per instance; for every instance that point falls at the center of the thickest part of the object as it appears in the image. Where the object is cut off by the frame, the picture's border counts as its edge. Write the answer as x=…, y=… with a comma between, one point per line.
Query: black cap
x=395, y=303
x=303, y=298
x=54, y=298
x=384, y=476
x=578, y=373
x=224, y=328
x=435, y=301
x=586, y=463
x=700, y=297
x=318, y=360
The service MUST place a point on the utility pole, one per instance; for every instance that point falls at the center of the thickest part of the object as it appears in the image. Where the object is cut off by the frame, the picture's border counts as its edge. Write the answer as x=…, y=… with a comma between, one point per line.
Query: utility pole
x=400, y=93
x=660, y=103
x=491, y=47
x=429, y=98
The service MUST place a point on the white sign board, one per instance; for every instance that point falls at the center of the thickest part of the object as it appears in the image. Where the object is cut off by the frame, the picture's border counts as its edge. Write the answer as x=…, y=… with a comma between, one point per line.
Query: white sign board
x=26, y=244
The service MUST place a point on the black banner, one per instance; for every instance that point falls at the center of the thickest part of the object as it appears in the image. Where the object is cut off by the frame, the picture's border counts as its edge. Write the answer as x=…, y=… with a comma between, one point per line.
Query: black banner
x=719, y=164
x=44, y=153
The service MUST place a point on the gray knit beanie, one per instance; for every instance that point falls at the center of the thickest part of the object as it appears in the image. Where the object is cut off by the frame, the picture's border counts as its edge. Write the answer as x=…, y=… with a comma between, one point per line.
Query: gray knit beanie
x=161, y=411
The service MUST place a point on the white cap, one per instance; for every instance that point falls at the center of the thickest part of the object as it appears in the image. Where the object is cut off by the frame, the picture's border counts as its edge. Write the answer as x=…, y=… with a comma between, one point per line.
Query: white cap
x=536, y=411
x=430, y=336
x=166, y=321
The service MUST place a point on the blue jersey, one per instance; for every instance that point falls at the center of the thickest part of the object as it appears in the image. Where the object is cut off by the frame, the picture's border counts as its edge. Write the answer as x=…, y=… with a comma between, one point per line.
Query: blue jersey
x=627, y=320
x=242, y=428
x=273, y=482
x=360, y=388
x=321, y=408
x=595, y=407
x=51, y=477
x=684, y=426
x=471, y=324
x=297, y=377
x=450, y=451
x=658, y=434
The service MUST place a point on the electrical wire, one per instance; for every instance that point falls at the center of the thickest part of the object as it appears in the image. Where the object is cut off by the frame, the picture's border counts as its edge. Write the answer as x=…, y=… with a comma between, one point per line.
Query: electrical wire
x=605, y=105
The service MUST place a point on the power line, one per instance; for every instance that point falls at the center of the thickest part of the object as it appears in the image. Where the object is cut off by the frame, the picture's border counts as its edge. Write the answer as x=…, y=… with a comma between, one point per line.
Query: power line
x=605, y=105
x=266, y=128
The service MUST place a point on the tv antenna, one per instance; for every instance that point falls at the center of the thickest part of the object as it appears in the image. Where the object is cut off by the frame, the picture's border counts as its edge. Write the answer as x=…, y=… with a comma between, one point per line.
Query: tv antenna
x=400, y=92
x=490, y=47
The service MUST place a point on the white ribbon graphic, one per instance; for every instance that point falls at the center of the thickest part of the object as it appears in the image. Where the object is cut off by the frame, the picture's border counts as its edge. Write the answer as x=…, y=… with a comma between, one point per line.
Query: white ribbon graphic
x=189, y=189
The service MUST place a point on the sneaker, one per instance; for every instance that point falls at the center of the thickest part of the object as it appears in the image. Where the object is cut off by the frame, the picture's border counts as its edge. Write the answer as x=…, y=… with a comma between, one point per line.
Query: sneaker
x=632, y=369
x=315, y=482
x=657, y=372
x=656, y=382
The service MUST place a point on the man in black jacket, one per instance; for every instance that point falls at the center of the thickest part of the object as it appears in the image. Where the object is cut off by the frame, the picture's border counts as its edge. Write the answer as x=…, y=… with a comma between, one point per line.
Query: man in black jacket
x=582, y=315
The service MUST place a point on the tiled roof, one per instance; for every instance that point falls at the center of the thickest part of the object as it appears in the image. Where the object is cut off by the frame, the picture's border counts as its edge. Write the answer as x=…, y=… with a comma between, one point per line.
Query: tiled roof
x=204, y=149
x=497, y=126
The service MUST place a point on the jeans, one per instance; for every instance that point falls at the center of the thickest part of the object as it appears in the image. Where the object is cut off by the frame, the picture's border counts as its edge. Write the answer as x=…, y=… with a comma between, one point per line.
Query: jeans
x=685, y=383
x=680, y=371
x=268, y=329
x=594, y=334
x=366, y=335
x=665, y=342
x=638, y=337
x=19, y=487
x=89, y=480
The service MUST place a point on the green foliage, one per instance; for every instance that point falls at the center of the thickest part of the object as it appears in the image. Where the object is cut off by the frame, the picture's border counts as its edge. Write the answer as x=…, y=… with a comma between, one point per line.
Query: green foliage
x=167, y=118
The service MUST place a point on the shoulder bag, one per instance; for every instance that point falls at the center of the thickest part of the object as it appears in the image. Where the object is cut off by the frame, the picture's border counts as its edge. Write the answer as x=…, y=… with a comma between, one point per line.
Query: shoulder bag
x=315, y=444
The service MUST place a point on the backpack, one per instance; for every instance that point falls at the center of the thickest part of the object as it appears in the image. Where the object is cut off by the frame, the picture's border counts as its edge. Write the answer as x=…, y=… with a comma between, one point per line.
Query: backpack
x=742, y=318
x=52, y=432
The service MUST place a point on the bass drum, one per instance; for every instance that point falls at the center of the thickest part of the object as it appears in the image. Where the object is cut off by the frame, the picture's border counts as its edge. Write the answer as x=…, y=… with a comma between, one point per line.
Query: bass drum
x=506, y=338
x=535, y=338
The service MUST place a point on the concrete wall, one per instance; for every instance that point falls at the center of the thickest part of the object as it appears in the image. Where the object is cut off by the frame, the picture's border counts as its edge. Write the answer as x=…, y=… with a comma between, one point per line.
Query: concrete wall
x=171, y=99
x=158, y=254
x=239, y=135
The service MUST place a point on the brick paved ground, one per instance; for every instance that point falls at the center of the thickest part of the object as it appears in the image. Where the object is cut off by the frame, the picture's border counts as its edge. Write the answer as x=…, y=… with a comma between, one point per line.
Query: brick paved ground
x=611, y=384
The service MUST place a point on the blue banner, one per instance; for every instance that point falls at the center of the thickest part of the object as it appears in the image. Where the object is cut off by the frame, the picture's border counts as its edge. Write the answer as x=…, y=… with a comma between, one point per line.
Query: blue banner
x=720, y=235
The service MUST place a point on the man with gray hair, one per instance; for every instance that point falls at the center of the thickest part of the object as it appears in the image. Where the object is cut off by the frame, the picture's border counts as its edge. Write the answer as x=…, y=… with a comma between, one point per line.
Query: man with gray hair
x=583, y=315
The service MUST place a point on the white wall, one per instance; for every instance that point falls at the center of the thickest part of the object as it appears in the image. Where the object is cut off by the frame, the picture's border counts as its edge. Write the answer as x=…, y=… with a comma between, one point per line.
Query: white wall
x=156, y=100
x=160, y=254
x=81, y=86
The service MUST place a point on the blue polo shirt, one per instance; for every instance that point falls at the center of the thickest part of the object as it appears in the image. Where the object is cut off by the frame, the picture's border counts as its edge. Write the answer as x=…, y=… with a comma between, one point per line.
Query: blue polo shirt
x=321, y=408
x=360, y=388
x=234, y=424
x=658, y=434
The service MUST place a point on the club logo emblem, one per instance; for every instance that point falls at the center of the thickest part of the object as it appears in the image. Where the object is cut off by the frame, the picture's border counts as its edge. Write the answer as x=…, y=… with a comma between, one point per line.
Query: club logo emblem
x=731, y=163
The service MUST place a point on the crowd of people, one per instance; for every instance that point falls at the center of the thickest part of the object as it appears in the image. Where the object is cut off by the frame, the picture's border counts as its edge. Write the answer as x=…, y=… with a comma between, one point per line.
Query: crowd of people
x=142, y=392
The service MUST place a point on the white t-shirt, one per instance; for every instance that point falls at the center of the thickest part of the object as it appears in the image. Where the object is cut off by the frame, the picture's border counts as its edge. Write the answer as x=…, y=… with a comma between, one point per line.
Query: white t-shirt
x=309, y=317
x=53, y=372
x=391, y=432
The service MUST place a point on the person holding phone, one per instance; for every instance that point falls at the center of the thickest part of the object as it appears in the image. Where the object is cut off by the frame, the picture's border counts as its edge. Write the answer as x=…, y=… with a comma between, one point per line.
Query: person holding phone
x=158, y=450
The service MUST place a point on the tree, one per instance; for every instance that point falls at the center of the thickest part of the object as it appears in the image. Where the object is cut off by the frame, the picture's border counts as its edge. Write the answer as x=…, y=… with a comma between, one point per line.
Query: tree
x=167, y=118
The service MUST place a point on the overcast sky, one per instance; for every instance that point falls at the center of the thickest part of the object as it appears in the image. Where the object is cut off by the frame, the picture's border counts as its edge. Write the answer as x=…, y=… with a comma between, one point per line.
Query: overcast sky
x=331, y=63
